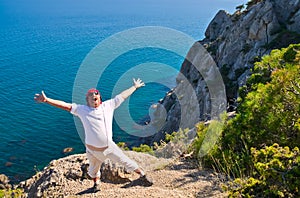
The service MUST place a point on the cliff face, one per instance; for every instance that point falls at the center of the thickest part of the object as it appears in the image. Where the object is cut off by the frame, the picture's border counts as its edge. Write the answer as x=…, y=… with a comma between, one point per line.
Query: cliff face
x=235, y=42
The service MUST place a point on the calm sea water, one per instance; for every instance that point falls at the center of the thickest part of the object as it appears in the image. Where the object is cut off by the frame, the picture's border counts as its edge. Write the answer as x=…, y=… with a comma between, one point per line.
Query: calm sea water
x=44, y=53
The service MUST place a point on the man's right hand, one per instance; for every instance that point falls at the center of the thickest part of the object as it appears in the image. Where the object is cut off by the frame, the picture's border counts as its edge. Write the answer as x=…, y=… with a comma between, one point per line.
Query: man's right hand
x=41, y=98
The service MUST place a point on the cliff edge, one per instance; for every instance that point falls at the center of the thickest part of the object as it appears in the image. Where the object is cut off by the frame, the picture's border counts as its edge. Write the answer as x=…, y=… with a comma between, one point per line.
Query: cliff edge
x=172, y=178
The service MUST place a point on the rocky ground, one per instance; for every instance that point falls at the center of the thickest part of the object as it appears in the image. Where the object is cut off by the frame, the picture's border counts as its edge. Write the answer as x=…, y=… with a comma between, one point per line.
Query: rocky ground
x=172, y=178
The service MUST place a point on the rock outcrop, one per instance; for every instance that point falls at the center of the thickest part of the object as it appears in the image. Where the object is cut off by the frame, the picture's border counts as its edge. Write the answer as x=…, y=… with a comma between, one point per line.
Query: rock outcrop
x=172, y=178
x=62, y=173
x=235, y=42
x=4, y=182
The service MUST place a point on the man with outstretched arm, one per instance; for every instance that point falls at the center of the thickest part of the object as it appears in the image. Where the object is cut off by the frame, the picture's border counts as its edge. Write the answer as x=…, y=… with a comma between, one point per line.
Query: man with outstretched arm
x=96, y=117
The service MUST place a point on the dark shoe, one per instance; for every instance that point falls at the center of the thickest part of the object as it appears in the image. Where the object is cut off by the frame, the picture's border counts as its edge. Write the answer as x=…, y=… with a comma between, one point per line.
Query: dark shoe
x=145, y=181
x=96, y=187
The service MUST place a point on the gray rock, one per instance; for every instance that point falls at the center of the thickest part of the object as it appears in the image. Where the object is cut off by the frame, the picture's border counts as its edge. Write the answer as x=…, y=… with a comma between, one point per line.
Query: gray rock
x=234, y=42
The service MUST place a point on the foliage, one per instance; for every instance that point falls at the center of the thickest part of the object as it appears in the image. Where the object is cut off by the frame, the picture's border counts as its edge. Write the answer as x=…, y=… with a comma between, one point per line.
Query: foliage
x=271, y=108
x=176, y=136
x=251, y=3
x=201, y=130
x=170, y=137
x=11, y=193
x=227, y=162
x=268, y=113
x=240, y=7
x=123, y=146
x=277, y=174
x=144, y=149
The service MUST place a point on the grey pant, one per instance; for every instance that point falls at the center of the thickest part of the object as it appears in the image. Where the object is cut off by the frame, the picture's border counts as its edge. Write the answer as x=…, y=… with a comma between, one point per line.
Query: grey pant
x=114, y=153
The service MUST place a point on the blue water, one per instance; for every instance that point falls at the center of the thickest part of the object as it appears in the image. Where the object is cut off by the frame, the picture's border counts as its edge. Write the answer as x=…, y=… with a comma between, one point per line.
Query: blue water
x=44, y=53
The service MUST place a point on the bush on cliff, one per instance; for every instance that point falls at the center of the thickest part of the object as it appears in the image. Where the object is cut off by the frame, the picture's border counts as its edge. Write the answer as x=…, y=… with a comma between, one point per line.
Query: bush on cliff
x=268, y=113
x=276, y=174
x=11, y=193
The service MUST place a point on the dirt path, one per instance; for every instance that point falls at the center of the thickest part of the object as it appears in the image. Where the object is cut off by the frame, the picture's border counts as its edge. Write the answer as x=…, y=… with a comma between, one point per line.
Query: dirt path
x=177, y=180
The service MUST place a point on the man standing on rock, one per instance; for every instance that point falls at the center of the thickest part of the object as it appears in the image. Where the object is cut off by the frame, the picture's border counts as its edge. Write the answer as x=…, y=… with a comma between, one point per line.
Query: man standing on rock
x=96, y=118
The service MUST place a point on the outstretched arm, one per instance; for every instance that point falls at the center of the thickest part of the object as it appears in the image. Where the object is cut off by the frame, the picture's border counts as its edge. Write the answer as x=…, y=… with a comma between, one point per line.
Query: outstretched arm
x=136, y=84
x=42, y=98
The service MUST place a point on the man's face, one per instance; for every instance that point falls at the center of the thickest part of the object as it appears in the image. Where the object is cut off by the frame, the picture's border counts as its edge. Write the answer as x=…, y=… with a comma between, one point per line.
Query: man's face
x=93, y=99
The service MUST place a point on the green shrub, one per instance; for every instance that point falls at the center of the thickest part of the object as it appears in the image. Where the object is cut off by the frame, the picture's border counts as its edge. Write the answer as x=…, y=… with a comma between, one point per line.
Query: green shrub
x=268, y=113
x=11, y=193
x=277, y=174
x=144, y=149
x=123, y=146
x=291, y=54
x=201, y=130
x=176, y=136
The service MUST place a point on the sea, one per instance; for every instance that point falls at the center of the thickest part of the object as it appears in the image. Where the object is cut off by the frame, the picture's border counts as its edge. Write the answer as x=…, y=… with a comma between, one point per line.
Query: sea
x=45, y=52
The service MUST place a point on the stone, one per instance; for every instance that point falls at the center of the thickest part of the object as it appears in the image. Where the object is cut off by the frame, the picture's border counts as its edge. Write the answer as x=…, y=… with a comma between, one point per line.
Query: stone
x=4, y=182
x=68, y=150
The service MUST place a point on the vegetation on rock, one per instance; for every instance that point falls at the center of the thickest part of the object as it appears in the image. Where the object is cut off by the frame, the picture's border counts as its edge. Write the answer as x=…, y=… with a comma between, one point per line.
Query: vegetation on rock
x=258, y=146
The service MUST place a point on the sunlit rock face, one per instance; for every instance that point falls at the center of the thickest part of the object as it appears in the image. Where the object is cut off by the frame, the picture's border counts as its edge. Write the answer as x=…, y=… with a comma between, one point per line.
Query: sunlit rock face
x=235, y=42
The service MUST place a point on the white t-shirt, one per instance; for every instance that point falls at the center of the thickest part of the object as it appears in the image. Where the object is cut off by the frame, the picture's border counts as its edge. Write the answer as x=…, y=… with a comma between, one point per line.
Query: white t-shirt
x=97, y=122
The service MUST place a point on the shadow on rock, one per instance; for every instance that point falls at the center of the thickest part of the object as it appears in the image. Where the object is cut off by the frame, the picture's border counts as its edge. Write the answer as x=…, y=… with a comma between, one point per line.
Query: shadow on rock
x=142, y=181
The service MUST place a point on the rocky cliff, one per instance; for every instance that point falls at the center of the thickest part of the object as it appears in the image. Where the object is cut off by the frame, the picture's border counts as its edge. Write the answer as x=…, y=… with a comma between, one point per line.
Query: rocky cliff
x=172, y=178
x=235, y=42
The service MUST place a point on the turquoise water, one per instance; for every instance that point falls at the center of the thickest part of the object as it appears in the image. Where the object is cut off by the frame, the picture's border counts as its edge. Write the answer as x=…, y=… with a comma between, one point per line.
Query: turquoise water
x=44, y=53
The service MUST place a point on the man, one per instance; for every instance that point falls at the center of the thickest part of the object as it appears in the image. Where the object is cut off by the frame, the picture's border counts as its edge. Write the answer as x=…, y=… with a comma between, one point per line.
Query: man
x=96, y=118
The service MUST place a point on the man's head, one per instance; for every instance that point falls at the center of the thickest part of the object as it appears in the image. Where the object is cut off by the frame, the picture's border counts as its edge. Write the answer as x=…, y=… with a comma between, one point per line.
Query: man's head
x=93, y=98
